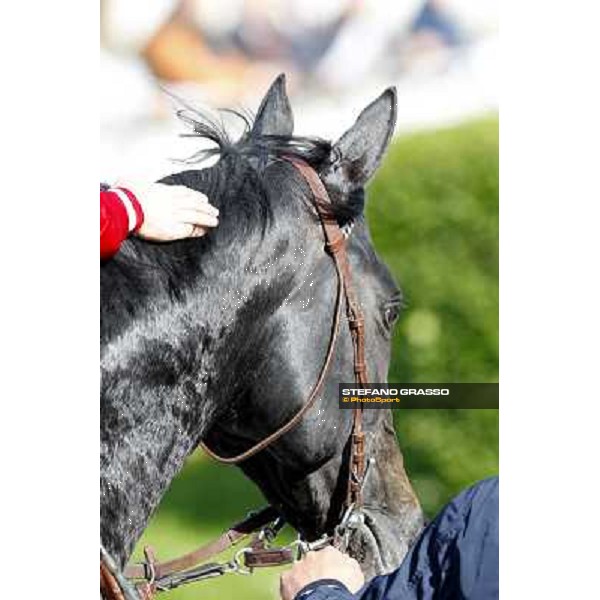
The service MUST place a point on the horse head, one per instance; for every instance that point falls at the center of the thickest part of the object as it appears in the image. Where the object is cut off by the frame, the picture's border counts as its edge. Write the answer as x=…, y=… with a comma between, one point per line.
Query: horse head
x=221, y=339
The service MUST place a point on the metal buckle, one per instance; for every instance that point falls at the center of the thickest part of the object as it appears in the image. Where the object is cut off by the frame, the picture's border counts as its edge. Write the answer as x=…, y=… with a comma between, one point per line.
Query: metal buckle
x=269, y=532
x=353, y=517
x=149, y=572
x=237, y=566
x=305, y=547
x=347, y=229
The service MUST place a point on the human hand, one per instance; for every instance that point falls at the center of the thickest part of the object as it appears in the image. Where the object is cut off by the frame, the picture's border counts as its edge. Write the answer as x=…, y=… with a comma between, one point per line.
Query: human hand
x=172, y=212
x=328, y=563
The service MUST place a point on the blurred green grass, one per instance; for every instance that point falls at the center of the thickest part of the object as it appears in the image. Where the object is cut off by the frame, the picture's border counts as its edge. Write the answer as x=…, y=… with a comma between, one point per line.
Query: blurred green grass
x=433, y=214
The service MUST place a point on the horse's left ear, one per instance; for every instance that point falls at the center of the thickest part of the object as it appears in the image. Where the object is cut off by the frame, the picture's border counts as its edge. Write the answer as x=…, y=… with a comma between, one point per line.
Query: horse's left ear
x=274, y=116
x=357, y=154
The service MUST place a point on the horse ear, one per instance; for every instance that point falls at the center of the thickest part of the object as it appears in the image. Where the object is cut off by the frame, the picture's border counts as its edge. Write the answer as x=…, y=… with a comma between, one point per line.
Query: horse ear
x=357, y=154
x=274, y=116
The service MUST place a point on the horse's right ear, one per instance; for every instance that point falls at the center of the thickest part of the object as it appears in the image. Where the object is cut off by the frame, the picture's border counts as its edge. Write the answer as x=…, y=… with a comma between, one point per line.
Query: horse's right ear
x=274, y=116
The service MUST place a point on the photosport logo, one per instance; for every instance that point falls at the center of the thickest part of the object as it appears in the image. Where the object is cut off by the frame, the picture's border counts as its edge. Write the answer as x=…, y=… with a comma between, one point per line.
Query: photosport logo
x=419, y=395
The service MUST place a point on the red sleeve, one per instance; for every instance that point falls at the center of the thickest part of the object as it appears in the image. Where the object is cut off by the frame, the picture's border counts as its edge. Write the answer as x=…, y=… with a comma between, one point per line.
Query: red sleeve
x=114, y=221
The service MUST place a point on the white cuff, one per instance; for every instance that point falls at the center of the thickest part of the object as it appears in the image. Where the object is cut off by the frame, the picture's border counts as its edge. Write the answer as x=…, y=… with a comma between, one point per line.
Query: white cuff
x=131, y=216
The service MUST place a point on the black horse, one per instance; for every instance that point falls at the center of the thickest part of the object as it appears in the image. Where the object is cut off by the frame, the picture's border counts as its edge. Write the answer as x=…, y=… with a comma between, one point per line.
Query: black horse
x=221, y=339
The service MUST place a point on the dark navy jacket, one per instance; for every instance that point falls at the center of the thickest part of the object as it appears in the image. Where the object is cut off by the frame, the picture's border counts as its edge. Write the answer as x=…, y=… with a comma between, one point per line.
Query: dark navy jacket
x=456, y=557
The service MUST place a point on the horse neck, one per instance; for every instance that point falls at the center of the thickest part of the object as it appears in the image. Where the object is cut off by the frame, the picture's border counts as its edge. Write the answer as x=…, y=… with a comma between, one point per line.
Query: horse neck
x=154, y=411
x=165, y=377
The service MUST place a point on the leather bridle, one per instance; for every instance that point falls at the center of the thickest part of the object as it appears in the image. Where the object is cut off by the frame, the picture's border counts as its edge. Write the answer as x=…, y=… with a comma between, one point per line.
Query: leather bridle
x=144, y=579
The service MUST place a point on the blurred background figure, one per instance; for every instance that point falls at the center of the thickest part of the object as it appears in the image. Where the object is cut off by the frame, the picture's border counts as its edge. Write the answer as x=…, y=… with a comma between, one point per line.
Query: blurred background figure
x=337, y=56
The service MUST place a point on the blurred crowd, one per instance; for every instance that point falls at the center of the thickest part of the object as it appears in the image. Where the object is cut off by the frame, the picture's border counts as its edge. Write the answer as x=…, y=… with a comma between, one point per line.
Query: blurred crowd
x=336, y=54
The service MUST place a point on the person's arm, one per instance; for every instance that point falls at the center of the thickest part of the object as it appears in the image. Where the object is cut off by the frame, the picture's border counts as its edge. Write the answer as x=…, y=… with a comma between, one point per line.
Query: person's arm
x=120, y=215
x=456, y=556
x=155, y=212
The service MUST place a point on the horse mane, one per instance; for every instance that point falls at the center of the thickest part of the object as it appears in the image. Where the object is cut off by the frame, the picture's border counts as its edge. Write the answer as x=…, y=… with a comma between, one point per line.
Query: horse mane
x=314, y=150
x=260, y=150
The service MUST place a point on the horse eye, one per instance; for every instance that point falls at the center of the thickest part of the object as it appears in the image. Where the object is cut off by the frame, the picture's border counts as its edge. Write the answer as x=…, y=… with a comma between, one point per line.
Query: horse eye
x=390, y=314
